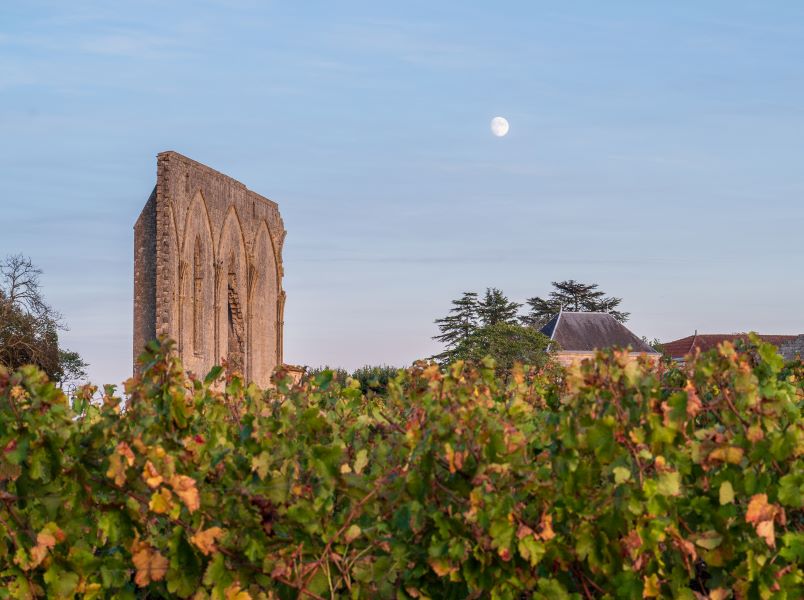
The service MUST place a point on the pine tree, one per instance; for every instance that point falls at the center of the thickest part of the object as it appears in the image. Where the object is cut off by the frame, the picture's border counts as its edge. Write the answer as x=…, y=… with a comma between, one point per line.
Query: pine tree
x=573, y=296
x=460, y=322
x=495, y=308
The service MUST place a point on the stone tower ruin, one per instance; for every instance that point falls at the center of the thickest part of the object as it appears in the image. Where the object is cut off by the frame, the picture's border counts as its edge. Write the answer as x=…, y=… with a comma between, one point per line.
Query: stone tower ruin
x=208, y=270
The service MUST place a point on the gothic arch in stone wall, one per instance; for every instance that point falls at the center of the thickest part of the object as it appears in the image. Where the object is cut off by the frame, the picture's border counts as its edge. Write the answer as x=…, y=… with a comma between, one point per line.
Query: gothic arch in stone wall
x=263, y=299
x=232, y=293
x=196, y=287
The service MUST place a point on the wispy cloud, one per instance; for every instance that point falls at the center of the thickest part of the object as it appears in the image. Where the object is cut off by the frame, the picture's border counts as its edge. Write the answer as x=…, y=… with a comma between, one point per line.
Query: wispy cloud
x=131, y=44
x=413, y=42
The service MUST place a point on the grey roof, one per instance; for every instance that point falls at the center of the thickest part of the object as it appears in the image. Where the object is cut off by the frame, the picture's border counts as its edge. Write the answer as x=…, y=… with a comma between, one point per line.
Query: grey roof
x=588, y=331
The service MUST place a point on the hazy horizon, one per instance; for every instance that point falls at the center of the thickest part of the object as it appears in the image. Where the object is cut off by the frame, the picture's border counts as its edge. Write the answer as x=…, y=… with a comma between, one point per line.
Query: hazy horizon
x=653, y=149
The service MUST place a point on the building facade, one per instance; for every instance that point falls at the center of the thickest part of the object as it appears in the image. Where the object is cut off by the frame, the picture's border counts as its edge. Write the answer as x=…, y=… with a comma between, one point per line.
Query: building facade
x=575, y=336
x=208, y=270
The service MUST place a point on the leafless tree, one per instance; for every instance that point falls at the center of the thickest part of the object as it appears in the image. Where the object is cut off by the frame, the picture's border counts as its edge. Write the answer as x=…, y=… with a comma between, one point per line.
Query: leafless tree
x=29, y=326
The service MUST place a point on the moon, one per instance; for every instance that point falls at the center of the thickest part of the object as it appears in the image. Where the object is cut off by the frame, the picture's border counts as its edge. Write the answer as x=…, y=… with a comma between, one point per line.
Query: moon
x=499, y=126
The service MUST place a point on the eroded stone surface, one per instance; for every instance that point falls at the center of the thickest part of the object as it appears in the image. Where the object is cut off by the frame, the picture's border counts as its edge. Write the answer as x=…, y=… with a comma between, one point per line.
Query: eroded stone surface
x=208, y=270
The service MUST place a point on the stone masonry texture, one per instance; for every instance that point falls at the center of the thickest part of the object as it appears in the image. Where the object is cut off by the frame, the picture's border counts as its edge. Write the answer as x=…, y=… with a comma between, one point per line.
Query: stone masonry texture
x=208, y=270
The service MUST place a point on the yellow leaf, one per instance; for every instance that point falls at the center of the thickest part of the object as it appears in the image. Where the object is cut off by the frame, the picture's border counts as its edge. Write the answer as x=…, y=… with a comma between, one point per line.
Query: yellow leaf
x=759, y=510
x=345, y=468
x=651, y=586
x=233, y=592
x=455, y=459
x=124, y=450
x=117, y=463
x=139, y=446
x=150, y=565
x=755, y=433
x=151, y=475
x=261, y=464
x=727, y=454
x=38, y=554
x=205, y=540
x=361, y=460
x=547, y=533
x=353, y=533
x=621, y=474
x=726, y=493
x=116, y=470
x=161, y=501
x=442, y=567
x=185, y=489
x=719, y=594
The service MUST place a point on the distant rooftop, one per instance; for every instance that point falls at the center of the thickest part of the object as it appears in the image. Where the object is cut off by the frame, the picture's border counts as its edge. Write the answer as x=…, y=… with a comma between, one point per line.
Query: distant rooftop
x=589, y=331
x=707, y=341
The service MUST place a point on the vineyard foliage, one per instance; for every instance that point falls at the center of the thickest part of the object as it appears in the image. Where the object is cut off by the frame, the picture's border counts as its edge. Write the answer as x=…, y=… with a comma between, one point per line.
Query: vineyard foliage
x=615, y=479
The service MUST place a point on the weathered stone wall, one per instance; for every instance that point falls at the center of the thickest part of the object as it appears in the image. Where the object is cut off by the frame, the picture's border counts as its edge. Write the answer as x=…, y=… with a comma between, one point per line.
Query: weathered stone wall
x=145, y=276
x=214, y=255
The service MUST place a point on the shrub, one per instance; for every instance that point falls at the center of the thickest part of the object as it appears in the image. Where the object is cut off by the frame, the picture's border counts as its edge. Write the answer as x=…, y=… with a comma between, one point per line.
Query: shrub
x=619, y=480
x=373, y=379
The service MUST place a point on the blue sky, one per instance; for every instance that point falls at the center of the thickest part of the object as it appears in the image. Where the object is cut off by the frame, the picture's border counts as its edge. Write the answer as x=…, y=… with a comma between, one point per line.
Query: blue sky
x=655, y=148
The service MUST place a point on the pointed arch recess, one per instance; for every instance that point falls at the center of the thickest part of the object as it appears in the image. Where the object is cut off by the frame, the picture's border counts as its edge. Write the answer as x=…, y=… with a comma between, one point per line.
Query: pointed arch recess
x=232, y=292
x=265, y=306
x=196, y=288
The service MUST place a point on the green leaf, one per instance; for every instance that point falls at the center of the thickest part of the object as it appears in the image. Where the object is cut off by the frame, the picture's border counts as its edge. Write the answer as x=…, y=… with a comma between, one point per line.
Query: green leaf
x=60, y=584
x=217, y=574
x=531, y=550
x=502, y=533
x=709, y=540
x=791, y=489
x=213, y=375
x=550, y=589
x=793, y=549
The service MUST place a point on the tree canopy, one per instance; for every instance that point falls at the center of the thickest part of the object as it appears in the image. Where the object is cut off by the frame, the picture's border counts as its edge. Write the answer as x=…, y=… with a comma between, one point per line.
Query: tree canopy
x=29, y=326
x=475, y=328
x=506, y=343
x=496, y=308
x=461, y=321
x=574, y=296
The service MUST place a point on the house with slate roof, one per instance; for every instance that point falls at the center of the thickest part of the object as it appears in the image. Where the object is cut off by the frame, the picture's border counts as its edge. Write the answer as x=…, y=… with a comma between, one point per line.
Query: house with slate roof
x=678, y=349
x=577, y=335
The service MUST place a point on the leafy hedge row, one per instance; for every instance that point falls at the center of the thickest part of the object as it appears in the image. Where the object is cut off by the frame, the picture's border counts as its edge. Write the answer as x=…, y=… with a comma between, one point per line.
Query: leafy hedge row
x=618, y=480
